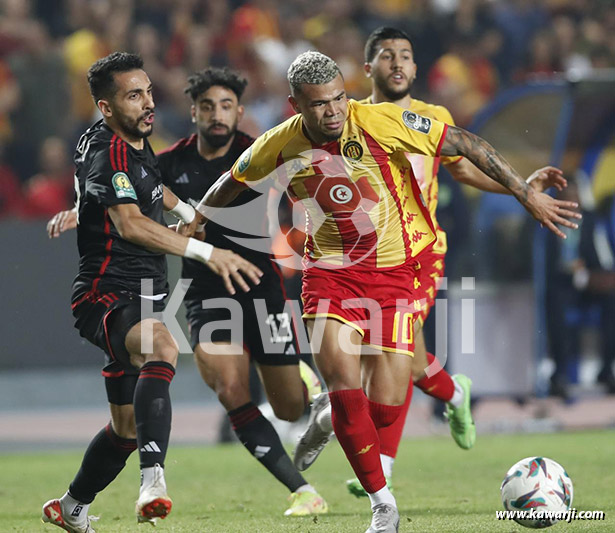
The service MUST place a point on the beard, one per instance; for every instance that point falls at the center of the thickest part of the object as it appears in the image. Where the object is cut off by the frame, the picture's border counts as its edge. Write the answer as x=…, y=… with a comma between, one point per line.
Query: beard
x=219, y=140
x=131, y=127
x=330, y=137
x=392, y=94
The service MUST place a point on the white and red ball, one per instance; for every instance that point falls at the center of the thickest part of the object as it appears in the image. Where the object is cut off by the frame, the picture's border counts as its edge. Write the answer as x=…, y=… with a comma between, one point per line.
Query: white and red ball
x=537, y=483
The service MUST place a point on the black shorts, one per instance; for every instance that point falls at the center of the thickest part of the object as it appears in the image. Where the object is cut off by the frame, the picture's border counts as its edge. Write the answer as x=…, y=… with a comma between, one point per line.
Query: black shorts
x=105, y=319
x=256, y=320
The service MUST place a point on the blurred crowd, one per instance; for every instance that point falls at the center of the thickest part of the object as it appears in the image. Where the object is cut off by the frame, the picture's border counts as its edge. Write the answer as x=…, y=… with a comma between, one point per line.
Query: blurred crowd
x=466, y=50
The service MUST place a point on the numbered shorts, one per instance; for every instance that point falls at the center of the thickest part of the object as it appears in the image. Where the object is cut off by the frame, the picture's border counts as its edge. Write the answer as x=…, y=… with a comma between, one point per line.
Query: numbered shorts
x=256, y=320
x=430, y=272
x=104, y=319
x=379, y=304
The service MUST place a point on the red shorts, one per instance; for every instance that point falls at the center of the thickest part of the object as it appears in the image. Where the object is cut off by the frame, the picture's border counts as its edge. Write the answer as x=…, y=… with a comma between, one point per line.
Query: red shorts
x=381, y=304
x=430, y=271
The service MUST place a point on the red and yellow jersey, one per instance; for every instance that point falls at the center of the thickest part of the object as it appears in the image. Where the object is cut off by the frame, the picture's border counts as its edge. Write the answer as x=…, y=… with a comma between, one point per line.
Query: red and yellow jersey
x=425, y=168
x=360, y=209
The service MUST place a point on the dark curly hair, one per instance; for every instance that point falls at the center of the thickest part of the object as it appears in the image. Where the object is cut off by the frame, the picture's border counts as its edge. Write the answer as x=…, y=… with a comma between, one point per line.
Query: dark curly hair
x=100, y=74
x=201, y=81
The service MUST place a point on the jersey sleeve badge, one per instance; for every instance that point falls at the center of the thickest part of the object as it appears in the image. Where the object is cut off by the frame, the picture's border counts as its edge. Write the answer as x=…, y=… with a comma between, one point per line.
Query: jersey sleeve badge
x=244, y=160
x=416, y=122
x=122, y=186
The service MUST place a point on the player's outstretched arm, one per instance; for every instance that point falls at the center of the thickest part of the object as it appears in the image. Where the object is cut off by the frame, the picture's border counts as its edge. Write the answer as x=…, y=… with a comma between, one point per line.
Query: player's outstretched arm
x=541, y=180
x=545, y=209
x=189, y=220
x=61, y=222
x=133, y=226
x=220, y=194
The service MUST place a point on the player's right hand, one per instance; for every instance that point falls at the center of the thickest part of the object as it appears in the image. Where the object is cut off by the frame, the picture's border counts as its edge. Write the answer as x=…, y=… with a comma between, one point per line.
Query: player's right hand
x=192, y=229
x=549, y=211
x=60, y=222
x=232, y=267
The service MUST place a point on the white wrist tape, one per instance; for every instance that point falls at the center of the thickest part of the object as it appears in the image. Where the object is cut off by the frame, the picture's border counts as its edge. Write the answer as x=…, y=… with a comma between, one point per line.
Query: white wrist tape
x=198, y=250
x=184, y=212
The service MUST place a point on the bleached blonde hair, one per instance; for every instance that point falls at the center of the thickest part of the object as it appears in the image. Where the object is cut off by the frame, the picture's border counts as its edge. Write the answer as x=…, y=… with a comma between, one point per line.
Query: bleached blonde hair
x=312, y=68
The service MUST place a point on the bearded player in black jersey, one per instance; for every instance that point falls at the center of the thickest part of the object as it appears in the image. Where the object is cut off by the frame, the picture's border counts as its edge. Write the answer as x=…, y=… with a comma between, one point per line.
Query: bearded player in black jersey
x=189, y=168
x=122, y=242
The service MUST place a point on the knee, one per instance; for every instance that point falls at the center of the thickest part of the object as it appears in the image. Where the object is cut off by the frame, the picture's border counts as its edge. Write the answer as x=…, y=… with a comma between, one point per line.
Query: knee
x=124, y=425
x=394, y=397
x=288, y=410
x=165, y=348
x=418, y=370
x=339, y=377
x=231, y=393
x=340, y=382
x=128, y=431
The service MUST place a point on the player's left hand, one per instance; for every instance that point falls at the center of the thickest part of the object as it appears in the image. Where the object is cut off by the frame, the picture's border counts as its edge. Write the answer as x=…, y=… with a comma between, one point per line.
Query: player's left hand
x=549, y=211
x=233, y=268
x=60, y=222
x=546, y=177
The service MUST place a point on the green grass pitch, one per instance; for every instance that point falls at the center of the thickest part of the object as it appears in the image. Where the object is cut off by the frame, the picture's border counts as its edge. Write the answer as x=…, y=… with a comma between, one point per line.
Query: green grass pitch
x=439, y=488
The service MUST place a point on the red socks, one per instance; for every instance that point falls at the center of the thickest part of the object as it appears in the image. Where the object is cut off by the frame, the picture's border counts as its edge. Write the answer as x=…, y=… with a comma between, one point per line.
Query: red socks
x=356, y=433
x=366, y=429
x=440, y=385
x=389, y=421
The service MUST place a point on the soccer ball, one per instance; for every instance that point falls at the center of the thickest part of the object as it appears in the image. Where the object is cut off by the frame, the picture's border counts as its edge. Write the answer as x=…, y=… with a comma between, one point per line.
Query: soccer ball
x=538, y=484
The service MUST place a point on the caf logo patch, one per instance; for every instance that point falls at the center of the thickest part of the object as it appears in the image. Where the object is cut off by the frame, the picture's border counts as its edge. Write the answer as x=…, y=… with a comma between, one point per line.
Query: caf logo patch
x=416, y=122
x=123, y=187
x=244, y=160
x=353, y=150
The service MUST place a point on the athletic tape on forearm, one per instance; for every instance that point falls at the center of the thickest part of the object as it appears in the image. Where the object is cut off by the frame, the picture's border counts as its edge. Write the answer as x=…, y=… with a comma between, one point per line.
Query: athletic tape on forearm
x=198, y=250
x=184, y=212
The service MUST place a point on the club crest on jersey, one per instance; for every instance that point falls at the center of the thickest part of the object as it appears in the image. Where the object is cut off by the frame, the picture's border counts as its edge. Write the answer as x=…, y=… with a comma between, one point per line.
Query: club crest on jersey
x=244, y=160
x=416, y=122
x=123, y=187
x=353, y=150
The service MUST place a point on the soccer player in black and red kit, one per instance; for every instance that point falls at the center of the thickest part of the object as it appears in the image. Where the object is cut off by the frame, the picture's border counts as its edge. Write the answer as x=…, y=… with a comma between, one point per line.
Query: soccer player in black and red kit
x=122, y=242
x=189, y=168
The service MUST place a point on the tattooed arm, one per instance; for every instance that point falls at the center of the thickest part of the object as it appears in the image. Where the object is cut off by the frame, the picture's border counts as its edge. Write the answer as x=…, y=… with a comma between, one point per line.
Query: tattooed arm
x=541, y=179
x=542, y=207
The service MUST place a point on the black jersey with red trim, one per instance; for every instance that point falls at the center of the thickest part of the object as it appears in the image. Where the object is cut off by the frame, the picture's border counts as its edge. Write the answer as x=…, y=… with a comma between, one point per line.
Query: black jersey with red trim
x=190, y=176
x=110, y=172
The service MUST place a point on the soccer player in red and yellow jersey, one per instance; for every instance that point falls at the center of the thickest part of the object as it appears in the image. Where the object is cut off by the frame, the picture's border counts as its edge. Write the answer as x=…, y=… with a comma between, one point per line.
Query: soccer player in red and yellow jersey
x=365, y=229
x=389, y=63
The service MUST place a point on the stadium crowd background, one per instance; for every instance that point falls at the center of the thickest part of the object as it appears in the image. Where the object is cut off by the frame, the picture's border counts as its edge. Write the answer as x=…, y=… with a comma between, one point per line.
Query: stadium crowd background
x=466, y=52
